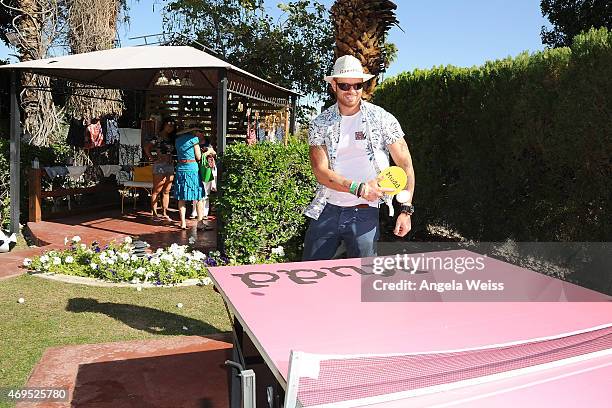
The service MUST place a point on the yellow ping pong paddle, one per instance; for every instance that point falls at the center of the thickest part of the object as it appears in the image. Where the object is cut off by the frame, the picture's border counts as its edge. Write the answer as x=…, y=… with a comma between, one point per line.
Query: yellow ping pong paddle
x=393, y=177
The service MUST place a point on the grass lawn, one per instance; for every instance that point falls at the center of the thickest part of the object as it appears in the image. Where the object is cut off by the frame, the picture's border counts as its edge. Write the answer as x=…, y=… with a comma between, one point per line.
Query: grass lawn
x=56, y=314
x=21, y=242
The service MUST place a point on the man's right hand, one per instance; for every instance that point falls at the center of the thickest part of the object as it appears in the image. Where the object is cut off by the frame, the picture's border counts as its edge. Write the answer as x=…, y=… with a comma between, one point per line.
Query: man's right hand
x=372, y=191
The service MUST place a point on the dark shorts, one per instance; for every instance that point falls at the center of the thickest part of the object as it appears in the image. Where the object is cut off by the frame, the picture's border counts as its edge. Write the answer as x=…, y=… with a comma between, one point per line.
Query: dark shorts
x=163, y=169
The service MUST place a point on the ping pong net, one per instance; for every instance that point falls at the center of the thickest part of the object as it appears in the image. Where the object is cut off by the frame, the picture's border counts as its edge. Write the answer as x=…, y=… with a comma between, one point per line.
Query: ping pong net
x=357, y=380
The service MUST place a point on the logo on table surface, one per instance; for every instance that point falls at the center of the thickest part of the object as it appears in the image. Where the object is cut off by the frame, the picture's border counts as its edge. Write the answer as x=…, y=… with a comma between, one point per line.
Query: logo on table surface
x=384, y=267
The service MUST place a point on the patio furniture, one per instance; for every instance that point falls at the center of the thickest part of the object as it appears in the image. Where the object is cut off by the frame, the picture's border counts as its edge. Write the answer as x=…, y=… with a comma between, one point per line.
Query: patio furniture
x=130, y=187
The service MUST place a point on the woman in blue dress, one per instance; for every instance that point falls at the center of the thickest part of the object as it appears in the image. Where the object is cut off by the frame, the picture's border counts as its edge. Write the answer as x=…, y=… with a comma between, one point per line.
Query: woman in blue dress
x=188, y=185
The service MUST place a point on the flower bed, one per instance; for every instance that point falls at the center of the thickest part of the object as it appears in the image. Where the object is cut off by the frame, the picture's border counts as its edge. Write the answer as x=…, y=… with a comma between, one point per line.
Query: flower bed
x=122, y=262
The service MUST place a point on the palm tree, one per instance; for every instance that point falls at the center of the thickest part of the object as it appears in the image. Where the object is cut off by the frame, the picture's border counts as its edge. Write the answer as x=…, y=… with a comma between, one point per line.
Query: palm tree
x=360, y=28
x=33, y=22
x=93, y=27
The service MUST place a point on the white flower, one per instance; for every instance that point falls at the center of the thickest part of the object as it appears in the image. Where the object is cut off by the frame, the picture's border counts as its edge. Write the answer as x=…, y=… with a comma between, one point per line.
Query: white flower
x=159, y=251
x=167, y=257
x=135, y=280
x=252, y=259
x=110, y=261
x=185, y=328
x=206, y=281
x=103, y=256
x=76, y=238
x=177, y=250
x=127, y=240
x=89, y=251
x=279, y=250
x=27, y=262
x=140, y=271
x=44, y=259
x=124, y=256
x=192, y=240
x=83, y=246
x=57, y=260
x=155, y=261
x=93, y=265
x=69, y=259
x=198, y=256
x=133, y=258
x=65, y=240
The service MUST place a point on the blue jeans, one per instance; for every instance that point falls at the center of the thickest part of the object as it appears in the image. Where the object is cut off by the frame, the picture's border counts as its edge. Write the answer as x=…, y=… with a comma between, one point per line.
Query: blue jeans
x=357, y=227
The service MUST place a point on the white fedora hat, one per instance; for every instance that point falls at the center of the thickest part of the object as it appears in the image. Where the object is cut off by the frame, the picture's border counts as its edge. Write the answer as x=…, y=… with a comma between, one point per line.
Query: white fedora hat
x=348, y=66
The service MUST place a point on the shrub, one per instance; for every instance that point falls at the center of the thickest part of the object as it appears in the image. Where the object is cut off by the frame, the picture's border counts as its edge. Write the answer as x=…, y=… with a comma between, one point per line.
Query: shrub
x=265, y=189
x=518, y=148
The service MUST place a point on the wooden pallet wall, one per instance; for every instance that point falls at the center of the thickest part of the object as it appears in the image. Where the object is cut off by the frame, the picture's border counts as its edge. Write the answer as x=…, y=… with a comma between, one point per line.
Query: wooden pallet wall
x=201, y=111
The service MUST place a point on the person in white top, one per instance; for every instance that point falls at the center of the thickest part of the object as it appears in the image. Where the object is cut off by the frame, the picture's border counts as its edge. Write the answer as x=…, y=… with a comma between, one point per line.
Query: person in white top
x=349, y=145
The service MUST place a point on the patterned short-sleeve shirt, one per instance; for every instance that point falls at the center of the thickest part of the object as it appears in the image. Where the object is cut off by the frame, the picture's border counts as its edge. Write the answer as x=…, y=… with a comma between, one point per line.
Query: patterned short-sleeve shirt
x=381, y=130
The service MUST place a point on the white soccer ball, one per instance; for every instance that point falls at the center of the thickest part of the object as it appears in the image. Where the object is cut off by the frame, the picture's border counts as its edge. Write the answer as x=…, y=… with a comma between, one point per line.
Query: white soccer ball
x=7, y=242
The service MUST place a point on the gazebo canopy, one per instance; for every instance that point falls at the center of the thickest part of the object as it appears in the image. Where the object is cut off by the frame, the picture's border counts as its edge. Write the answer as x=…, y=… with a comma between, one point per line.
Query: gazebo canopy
x=138, y=68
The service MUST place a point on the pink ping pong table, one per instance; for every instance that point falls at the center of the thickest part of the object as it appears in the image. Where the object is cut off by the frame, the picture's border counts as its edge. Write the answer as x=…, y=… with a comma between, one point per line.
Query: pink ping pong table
x=417, y=352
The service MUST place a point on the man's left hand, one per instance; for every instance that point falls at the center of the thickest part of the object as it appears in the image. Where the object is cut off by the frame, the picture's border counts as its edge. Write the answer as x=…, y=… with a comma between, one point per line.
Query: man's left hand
x=402, y=225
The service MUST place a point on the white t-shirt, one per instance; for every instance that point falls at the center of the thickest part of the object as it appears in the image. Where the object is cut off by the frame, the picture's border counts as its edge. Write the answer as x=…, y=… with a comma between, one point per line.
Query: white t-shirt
x=352, y=161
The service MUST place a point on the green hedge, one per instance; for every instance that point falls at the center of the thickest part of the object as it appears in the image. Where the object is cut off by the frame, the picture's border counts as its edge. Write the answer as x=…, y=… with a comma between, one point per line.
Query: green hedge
x=265, y=188
x=518, y=148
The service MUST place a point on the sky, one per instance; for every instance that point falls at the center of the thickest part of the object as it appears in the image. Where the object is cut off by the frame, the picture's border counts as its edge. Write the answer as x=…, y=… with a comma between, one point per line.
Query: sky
x=435, y=32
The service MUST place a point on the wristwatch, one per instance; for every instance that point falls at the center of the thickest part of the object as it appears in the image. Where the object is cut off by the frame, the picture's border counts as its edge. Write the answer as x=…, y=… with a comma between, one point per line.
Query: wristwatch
x=407, y=209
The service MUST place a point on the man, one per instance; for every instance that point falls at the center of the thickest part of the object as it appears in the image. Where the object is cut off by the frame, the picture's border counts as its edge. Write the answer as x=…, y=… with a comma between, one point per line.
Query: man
x=349, y=145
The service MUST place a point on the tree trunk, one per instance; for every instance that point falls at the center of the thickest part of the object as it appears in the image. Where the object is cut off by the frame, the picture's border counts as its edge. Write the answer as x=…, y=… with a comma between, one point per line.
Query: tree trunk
x=41, y=118
x=93, y=27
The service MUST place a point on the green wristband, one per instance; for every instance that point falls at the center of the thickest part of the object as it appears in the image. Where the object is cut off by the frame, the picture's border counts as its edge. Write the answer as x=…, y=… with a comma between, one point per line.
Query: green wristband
x=353, y=187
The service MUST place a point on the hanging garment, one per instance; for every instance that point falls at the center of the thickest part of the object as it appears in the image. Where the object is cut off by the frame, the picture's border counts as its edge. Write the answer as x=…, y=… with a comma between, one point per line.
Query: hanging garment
x=56, y=171
x=280, y=134
x=261, y=133
x=76, y=133
x=94, y=136
x=110, y=169
x=76, y=172
x=110, y=128
x=251, y=138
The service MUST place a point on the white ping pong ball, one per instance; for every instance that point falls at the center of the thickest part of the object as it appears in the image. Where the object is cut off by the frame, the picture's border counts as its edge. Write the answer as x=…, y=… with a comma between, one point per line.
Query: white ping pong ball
x=403, y=196
x=21, y=300
x=179, y=305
